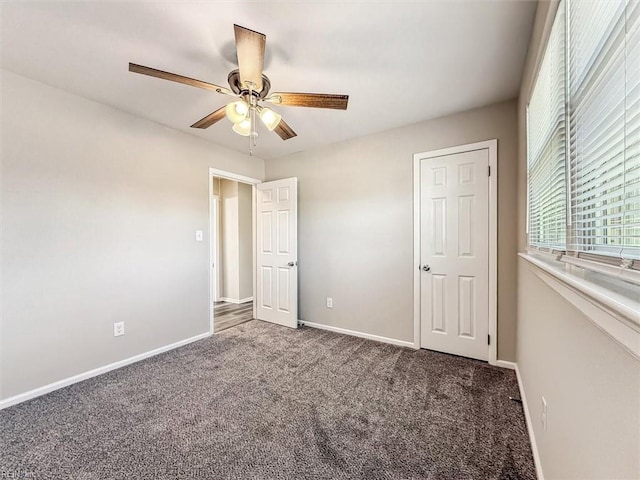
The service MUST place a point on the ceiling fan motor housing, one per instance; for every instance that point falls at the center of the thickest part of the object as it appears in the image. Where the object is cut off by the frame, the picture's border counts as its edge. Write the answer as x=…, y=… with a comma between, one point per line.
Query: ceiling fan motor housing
x=240, y=89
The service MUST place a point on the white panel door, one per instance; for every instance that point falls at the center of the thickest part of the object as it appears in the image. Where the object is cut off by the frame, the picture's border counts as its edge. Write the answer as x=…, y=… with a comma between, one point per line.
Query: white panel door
x=277, y=252
x=454, y=252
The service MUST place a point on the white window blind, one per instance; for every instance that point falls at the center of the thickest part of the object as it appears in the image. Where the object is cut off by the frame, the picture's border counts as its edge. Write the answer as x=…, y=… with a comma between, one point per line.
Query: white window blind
x=546, y=165
x=604, y=113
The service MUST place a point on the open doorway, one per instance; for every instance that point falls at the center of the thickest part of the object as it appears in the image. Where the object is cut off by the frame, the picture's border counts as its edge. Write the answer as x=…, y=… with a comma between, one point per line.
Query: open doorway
x=232, y=250
x=273, y=241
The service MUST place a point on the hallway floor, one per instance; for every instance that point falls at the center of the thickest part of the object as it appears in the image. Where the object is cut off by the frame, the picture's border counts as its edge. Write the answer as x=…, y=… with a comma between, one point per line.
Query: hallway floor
x=227, y=315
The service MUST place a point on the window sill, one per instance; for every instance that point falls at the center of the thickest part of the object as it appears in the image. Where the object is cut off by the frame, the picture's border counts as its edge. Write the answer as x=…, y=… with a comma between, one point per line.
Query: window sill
x=611, y=304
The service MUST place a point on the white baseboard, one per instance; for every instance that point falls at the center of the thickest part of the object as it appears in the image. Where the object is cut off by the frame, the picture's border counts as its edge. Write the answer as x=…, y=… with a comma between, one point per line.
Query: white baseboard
x=36, y=392
x=353, y=333
x=236, y=301
x=506, y=364
x=532, y=437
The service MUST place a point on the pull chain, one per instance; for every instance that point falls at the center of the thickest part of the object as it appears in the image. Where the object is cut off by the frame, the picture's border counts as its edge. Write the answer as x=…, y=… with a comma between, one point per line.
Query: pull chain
x=251, y=117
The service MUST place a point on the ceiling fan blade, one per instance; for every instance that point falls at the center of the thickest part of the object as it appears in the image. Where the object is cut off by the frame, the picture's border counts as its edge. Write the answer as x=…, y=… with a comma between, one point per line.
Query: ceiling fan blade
x=284, y=131
x=210, y=119
x=316, y=100
x=250, y=48
x=152, y=72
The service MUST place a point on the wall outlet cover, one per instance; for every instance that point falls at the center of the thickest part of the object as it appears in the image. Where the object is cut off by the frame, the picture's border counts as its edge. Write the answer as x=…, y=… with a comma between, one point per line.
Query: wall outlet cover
x=118, y=329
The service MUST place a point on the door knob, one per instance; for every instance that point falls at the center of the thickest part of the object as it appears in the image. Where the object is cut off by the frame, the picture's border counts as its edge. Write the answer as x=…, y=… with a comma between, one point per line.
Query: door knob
x=426, y=268
x=292, y=264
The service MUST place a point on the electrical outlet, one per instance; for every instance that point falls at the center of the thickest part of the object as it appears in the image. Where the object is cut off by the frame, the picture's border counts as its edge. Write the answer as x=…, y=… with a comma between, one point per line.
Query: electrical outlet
x=543, y=415
x=118, y=329
x=329, y=302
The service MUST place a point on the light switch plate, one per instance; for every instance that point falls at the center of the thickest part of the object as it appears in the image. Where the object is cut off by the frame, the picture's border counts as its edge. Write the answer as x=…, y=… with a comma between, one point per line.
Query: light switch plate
x=199, y=235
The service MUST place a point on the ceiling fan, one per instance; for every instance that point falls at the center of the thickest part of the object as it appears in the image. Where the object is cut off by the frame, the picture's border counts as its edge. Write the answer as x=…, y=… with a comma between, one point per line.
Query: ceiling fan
x=251, y=86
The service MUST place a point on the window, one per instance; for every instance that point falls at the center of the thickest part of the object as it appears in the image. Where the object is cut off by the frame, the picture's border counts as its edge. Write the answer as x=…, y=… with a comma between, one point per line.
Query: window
x=546, y=141
x=583, y=135
x=604, y=107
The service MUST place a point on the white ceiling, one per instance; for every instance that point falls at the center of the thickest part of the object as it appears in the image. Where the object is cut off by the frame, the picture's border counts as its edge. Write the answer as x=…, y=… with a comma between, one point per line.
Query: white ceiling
x=400, y=62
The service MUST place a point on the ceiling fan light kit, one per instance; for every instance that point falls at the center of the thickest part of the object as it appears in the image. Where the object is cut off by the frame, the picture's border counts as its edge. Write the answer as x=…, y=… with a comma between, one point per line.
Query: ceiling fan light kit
x=251, y=86
x=270, y=118
x=237, y=111
x=243, y=128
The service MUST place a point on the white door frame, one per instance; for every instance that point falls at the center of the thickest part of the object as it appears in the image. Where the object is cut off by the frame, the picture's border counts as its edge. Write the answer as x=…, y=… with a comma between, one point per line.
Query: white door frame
x=492, y=146
x=213, y=172
x=215, y=247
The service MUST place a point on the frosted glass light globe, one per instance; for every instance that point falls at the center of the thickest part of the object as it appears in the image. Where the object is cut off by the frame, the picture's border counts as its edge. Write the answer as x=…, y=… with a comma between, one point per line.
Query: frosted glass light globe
x=236, y=111
x=243, y=128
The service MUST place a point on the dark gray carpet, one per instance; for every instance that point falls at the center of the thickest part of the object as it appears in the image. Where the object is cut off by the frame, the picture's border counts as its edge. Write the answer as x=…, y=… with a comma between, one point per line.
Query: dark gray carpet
x=265, y=402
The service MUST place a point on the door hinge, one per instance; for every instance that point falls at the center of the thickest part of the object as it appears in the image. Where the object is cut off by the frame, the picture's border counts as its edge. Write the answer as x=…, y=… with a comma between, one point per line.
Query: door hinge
x=489, y=171
x=488, y=339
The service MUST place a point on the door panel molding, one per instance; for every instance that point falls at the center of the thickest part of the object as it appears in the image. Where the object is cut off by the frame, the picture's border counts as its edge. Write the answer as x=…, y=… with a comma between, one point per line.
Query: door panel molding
x=463, y=177
x=277, y=289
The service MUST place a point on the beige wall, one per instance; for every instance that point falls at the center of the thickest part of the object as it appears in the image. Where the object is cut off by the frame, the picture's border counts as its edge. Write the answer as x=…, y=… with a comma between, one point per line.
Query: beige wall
x=245, y=241
x=356, y=222
x=236, y=240
x=99, y=213
x=229, y=239
x=591, y=385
